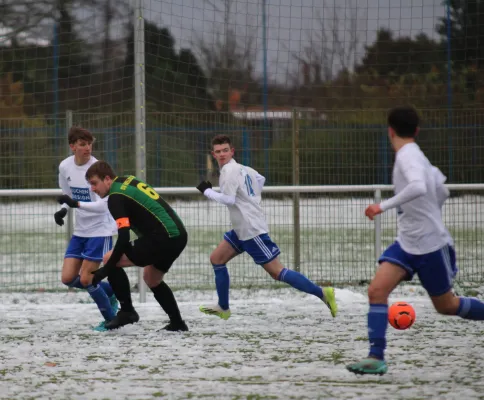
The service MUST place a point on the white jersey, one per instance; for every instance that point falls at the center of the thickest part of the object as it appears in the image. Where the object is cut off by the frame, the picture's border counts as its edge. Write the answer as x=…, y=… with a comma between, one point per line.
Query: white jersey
x=419, y=196
x=246, y=215
x=95, y=222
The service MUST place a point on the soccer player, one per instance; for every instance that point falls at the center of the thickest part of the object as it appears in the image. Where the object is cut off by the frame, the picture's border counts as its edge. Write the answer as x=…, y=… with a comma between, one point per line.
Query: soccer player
x=162, y=237
x=423, y=245
x=94, y=226
x=241, y=191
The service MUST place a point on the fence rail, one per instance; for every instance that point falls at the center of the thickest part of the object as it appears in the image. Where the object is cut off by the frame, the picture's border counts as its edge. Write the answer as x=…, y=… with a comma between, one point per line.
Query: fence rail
x=321, y=230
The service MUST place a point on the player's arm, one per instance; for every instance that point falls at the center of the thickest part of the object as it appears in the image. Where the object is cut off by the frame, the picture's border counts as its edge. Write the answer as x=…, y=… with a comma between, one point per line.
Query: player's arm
x=261, y=180
x=118, y=211
x=415, y=188
x=100, y=206
x=441, y=191
x=221, y=198
x=227, y=197
x=64, y=186
x=66, y=189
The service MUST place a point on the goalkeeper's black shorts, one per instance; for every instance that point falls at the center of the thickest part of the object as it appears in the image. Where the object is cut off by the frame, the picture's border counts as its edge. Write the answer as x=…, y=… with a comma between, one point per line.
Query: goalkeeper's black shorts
x=156, y=250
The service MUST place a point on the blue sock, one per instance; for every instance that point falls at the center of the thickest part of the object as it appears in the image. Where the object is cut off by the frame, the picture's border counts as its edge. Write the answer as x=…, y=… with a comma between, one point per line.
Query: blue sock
x=300, y=282
x=222, y=283
x=107, y=288
x=471, y=308
x=101, y=299
x=75, y=283
x=377, y=329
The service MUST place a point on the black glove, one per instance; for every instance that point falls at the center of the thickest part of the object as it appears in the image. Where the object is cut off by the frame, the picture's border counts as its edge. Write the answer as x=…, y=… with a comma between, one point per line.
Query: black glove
x=59, y=216
x=204, y=185
x=65, y=199
x=99, y=275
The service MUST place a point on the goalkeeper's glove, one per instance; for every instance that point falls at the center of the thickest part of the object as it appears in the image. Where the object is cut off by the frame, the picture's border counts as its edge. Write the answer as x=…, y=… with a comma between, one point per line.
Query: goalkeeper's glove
x=204, y=185
x=65, y=199
x=59, y=216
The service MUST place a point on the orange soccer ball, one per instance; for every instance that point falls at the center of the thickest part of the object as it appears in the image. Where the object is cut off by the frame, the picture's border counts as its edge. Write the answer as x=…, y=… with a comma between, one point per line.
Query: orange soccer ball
x=401, y=315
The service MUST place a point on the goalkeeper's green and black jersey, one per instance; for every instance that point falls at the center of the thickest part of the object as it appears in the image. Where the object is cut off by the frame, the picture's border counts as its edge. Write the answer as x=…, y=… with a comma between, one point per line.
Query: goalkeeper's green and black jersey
x=135, y=204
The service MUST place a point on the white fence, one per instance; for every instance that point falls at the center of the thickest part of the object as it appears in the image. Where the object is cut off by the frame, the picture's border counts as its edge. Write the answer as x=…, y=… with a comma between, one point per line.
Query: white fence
x=321, y=230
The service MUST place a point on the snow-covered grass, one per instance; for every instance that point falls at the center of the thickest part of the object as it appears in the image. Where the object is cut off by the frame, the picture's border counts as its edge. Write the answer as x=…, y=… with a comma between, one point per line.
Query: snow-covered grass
x=278, y=344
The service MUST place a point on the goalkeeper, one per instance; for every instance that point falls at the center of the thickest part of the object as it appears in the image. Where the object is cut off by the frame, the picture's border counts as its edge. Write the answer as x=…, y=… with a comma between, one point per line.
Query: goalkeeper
x=161, y=239
x=241, y=192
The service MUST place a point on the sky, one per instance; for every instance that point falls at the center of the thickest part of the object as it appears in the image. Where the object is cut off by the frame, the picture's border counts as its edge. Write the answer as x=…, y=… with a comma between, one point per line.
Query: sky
x=291, y=24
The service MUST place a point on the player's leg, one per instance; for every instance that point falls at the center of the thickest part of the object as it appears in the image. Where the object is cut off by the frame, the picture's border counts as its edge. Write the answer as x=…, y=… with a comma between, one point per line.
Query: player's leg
x=298, y=281
x=70, y=273
x=163, y=294
x=97, y=293
x=437, y=272
x=119, y=281
x=395, y=267
x=94, y=250
x=265, y=253
x=227, y=249
x=72, y=263
x=168, y=252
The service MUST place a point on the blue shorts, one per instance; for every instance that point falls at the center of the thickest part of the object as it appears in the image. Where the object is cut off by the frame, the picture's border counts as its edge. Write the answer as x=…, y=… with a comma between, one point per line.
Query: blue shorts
x=261, y=248
x=92, y=248
x=435, y=270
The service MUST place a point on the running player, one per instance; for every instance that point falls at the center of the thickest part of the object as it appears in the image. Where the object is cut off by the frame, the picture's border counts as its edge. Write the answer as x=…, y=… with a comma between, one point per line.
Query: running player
x=241, y=191
x=423, y=245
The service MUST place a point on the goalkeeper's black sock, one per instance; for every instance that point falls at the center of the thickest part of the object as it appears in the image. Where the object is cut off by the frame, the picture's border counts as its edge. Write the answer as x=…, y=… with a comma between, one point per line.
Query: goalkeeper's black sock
x=120, y=283
x=164, y=296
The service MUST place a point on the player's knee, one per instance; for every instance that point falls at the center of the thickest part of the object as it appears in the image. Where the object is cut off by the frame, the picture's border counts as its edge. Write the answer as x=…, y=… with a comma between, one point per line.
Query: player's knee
x=215, y=259
x=377, y=293
x=151, y=279
x=106, y=257
x=68, y=281
x=72, y=282
x=86, y=279
x=447, y=308
x=274, y=274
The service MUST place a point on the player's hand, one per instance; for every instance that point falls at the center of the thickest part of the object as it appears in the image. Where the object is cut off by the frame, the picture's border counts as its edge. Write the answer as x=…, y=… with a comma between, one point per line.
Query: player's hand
x=99, y=275
x=204, y=185
x=59, y=216
x=373, y=210
x=65, y=199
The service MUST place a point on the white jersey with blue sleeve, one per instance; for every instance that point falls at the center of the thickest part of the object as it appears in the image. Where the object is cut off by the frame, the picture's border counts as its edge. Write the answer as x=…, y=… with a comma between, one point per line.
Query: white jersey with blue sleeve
x=92, y=218
x=419, y=196
x=241, y=191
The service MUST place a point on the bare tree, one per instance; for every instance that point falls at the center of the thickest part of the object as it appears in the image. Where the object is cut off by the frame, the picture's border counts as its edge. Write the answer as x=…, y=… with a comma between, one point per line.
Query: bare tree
x=24, y=19
x=331, y=48
x=227, y=59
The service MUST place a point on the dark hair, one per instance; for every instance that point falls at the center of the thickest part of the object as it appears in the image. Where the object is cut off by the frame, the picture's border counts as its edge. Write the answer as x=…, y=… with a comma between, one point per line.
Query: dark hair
x=221, y=139
x=77, y=133
x=404, y=121
x=101, y=169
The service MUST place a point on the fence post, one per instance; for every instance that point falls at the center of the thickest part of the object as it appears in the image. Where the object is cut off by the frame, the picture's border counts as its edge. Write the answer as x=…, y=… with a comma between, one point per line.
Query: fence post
x=296, y=196
x=140, y=112
x=70, y=212
x=377, y=227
